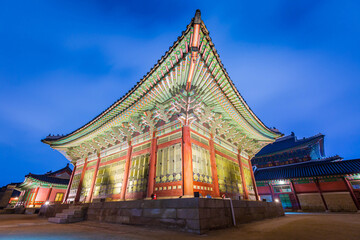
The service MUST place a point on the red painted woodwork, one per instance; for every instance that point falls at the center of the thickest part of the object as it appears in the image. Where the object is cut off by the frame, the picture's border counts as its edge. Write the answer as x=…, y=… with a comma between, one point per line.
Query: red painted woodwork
x=199, y=134
x=170, y=133
x=49, y=193
x=253, y=179
x=193, y=141
x=78, y=192
x=113, y=161
x=272, y=192
x=144, y=151
x=167, y=144
x=54, y=192
x=152, y=167
x=194, y=55
x=35, y=195
x=216, y=191
x=350, y=189
x=333, y=186
x=203, y=191
x=243, y=182
x=264, y=190
x=305, y=187
x=321, y=195
x=126, y=172
x=70, y=183
x=226, y=156
x=187, y=163
x=94, y=179
x=169, y=193
x=135, y=195
x=297, y=202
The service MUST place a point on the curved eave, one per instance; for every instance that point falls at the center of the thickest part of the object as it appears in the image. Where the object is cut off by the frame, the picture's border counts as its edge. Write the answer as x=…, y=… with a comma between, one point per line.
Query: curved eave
x=125, y=97
x=301, y=145
x=113, y=111
x=270, y=133
x=30, y=181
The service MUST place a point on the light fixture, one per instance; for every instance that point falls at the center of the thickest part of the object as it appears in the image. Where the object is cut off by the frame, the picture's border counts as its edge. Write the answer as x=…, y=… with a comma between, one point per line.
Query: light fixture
x=47, y=203
x=281, y=182
x=276, y=200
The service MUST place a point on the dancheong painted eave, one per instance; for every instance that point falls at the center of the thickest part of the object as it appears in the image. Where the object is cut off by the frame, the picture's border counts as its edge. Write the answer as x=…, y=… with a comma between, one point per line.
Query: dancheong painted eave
x=155, y=86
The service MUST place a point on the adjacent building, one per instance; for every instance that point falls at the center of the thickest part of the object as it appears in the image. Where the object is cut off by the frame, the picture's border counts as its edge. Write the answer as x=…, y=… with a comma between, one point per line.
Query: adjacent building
x=9, y=195
x=296, y=173
x=37, y=189
x=183, y=128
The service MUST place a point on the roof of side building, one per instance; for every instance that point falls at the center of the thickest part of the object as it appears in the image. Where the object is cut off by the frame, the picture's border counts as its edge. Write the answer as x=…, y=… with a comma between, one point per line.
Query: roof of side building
x=324, y=167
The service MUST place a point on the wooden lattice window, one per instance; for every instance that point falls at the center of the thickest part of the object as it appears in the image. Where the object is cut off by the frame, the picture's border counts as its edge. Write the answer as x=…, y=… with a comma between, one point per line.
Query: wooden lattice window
x=59, y=197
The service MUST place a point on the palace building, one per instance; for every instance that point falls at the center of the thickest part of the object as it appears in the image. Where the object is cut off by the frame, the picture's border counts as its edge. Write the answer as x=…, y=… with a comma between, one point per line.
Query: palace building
x=37, y=189
x=183, y=128
x=296, y=173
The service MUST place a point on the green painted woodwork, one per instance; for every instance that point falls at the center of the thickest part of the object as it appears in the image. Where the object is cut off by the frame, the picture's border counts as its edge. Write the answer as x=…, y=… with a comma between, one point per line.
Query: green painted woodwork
x=86, y=183
x=225, y=151
x=248, y=180
x=109, y=179
x=139, y=172
x=201, y=164
x=228, y=175
x=169, y=164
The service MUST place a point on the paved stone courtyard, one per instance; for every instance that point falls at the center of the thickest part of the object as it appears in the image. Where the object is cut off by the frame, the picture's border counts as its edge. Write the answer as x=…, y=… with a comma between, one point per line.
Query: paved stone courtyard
x=292, y=226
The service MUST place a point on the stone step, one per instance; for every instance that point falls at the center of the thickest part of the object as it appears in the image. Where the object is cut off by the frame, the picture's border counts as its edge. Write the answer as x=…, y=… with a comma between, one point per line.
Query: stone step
x=67, y=215
x=72, y=211
x=61, y=215
x=75, y=213
x=57, y=220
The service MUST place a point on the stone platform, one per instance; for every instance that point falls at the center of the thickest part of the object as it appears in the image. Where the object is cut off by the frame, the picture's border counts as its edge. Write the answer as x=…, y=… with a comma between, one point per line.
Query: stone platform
x=197, y=215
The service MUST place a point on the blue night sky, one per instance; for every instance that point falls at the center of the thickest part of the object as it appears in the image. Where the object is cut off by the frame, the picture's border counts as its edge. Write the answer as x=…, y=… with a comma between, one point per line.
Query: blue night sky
x=296, y=63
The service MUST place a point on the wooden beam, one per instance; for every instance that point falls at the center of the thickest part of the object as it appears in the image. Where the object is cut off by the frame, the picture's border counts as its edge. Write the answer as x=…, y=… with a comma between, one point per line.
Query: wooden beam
x=70, y=183
x=188, y=179
x=126, y=173
x=216, y=191
x=152, y=166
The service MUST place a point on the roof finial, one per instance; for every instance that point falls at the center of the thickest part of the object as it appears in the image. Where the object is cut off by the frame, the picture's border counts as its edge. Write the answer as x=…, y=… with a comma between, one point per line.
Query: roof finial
x=197, y=19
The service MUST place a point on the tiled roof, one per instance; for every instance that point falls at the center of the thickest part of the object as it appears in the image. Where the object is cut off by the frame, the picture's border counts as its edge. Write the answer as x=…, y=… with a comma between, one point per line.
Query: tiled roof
x=287, y=143
x=48, y=179
x=309, y=169
x=67, y=168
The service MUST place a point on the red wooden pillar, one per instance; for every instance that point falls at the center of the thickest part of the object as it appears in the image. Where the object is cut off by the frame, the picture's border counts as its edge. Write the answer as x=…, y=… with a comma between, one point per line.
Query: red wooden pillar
x=70, y=183
x=253, y=179
x=245, y=190
x=294, y=191
x=126, y=173
x=188, y=179
x=49, y=193
x=26, y=197
x=89, y=199
x=35, y=195
x=272, y=192
x=213, y=167
x=152, y=166
x=78, y=192
x=349, y=187
x=321, y=195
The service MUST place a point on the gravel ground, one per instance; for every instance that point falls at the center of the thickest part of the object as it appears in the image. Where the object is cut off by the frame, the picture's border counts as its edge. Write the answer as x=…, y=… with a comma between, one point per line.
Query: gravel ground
x=291, y=227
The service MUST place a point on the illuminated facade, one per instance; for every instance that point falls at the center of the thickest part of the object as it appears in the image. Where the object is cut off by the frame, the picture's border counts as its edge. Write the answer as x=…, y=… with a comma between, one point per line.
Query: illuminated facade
x=37, y=189
x=183, y=128
x=296, y=173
